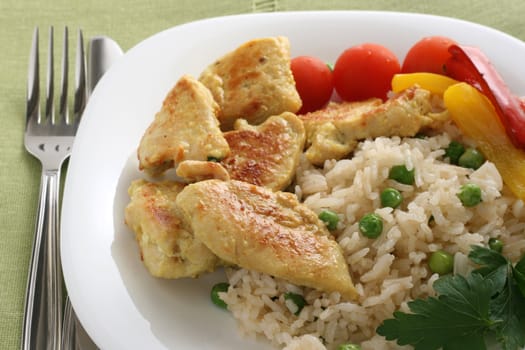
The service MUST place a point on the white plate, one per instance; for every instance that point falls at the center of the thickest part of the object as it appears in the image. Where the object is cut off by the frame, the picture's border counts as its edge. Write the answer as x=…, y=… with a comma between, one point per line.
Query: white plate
x=119, y=304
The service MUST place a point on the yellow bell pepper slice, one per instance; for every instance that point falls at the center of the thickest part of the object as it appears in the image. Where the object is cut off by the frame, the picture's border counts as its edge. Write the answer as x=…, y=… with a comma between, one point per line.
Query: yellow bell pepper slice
x=476, y=117
x=435, y=83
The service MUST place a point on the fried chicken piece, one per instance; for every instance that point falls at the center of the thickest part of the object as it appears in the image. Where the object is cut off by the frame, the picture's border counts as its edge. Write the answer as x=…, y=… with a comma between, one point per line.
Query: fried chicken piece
x=197, y=170
x=333, y=132
x=253, y=82
x=268, y=154
x=265, y=231
x=186, y=128
x=167, y=249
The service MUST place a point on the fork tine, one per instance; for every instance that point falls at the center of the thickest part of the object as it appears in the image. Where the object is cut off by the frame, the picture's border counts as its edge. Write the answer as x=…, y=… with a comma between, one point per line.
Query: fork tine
x=50, y=87
x=80, y=79
x=33, y=81
x=63, y=112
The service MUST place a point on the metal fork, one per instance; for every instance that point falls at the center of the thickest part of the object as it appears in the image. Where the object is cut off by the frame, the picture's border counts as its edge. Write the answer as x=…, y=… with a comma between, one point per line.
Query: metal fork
x=49, y=138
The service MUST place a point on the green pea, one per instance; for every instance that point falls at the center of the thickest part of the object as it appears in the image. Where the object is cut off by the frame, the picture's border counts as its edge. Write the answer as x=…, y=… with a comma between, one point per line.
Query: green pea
x=349, y=346
x=441, y=262
x=330, y=218
x=454, y=151
x=495, y=244
x=371, y=225
x=470, y=195
x=390, y=197
x=472, y=158
x=214, y=295
x=401, y=174
x=294, y=302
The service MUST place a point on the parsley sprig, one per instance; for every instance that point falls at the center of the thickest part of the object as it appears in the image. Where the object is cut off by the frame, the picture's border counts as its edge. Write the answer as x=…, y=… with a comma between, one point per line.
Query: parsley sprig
x=489, y=301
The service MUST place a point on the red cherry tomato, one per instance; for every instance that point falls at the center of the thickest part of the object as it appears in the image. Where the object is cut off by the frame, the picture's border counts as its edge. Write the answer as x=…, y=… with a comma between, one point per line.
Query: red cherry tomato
x=428, y=55
x=365, y=71
x=313, y=81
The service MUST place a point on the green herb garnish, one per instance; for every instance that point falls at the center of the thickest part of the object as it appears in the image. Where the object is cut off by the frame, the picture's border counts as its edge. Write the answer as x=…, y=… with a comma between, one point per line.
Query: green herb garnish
x=294, y=302
x=489, y=301
x=213, y=159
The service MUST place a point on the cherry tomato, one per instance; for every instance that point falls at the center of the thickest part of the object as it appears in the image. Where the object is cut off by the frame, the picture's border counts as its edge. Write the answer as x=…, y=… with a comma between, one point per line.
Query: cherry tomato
x=428, y=55
x=313, y=81
x=365, y=71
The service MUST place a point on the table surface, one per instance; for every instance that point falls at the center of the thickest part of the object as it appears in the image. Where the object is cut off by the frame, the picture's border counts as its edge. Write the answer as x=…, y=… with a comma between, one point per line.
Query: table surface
x=129, y=22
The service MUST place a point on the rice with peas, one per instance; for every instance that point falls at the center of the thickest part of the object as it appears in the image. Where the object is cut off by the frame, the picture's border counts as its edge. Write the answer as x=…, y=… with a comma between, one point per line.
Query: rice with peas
x=392, y=269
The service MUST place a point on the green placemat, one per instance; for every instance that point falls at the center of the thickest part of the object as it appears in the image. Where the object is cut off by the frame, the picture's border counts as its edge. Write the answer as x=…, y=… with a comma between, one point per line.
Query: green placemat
x=129, y=22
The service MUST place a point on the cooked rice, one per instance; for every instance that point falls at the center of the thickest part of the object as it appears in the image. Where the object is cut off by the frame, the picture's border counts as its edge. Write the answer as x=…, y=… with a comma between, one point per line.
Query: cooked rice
x=392, y=269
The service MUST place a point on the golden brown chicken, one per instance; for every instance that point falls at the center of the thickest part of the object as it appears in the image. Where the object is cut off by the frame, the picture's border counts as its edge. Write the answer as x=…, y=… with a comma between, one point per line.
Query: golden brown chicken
x=167, y=249
x=253, y=82
x=268, y=154
x=198, y=170
x=186, y=128
x=265, y=231
x=333, y=132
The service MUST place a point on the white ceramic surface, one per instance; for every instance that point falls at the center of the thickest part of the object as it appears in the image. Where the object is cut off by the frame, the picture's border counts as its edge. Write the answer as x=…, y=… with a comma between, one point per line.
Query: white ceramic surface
x=119, y=304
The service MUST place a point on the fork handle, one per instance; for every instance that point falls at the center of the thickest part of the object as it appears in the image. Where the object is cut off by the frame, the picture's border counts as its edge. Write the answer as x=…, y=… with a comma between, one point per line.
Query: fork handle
x=43, y=304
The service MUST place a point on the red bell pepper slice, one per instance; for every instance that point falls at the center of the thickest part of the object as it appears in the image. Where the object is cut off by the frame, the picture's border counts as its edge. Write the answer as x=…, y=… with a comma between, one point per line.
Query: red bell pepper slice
x=470, y=65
